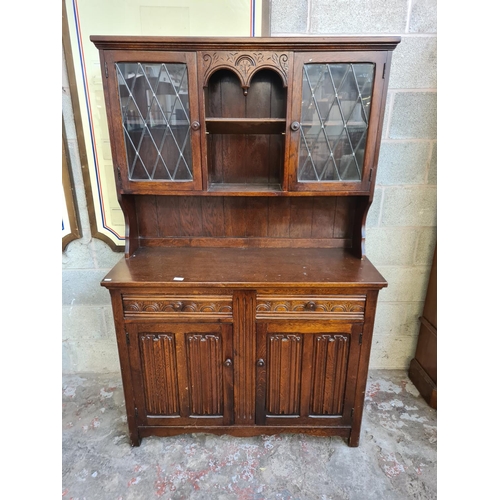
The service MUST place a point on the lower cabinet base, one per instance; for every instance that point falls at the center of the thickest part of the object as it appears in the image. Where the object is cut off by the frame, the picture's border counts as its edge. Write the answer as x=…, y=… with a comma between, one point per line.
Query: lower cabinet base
x=245, y=431
x=244, y=362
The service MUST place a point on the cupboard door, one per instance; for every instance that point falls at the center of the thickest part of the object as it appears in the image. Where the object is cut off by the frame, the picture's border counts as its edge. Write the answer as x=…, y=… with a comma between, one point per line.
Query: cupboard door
x=183, y=373
x=154, y=113
x=336, y=108
x=306, y=373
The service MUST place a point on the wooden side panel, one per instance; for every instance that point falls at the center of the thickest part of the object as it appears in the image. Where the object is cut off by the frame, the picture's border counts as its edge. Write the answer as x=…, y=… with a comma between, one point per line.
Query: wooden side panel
x=284, y=374
x=159, y=369
x=126, y=365
x=329, y=371
x=362, y=371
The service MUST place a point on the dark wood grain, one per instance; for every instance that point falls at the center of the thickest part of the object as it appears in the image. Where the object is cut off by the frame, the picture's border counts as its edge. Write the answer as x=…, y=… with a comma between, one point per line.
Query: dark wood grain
x=244, y=357
x=326, y=43
x=305, y=373
x=126, y=368
x=241, y=128
x=159, y=368
x=279, y=217
x=307, y=218
x=244, y=267
x=212, y=216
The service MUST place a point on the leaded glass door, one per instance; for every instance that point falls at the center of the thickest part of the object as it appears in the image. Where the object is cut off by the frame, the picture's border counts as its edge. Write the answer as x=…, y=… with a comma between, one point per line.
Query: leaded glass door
x=333, y=124
x=155, y=114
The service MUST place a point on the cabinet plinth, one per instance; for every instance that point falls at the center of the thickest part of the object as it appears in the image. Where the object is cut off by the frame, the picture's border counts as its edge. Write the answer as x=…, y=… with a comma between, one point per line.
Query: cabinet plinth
x=245, y=168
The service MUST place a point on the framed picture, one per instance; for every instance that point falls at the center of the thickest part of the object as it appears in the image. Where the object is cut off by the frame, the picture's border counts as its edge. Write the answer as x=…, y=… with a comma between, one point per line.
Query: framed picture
x=83, y=18
x=70, y=220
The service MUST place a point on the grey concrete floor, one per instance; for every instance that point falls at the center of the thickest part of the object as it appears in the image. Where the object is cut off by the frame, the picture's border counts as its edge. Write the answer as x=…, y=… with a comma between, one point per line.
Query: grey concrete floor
x=396, y=458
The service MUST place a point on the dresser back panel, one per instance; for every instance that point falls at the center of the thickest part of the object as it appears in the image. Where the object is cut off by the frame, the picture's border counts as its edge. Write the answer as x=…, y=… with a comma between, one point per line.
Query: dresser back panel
x=261, y=221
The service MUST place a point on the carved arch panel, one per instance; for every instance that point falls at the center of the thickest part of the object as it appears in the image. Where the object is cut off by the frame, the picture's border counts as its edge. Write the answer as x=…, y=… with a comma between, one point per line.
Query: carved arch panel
x=245, y=65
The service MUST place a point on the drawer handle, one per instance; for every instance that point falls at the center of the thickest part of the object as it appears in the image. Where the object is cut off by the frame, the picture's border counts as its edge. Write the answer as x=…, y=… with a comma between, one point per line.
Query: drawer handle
x=228, y=362
x=261, y=362
x=177, y=306
x=310, y=306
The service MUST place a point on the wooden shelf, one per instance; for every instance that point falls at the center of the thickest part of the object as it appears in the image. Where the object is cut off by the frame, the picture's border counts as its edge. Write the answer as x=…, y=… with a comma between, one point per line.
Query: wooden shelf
x=249, y=188
x=245, y=125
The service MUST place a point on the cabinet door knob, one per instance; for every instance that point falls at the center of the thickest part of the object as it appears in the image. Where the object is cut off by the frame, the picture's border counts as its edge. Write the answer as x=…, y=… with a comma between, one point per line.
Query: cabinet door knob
x=295, y=126
x=310, y=306
x=195, y=125
x=260, y=362
x=228, y=362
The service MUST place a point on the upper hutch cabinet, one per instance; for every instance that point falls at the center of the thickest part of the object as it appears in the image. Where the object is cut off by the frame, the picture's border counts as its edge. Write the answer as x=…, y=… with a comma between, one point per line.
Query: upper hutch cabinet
x=245, y=168
x=244, y=117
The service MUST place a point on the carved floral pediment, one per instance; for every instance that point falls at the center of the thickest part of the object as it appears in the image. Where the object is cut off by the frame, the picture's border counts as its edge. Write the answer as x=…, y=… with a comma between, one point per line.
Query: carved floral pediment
x=245, y=64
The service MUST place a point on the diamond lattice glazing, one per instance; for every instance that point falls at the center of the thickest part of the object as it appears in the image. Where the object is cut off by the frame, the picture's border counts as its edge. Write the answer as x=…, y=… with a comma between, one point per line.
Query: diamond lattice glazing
x=156, y=123
x=336, y=102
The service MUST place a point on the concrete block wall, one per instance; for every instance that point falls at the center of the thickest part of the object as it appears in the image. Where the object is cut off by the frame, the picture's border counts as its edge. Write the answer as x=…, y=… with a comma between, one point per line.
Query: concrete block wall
x=401, y=227
x=88, y=335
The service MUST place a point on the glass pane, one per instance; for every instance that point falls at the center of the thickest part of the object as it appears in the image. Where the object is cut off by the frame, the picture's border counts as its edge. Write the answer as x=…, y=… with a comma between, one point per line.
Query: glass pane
x=336, y=102
x=155, y=118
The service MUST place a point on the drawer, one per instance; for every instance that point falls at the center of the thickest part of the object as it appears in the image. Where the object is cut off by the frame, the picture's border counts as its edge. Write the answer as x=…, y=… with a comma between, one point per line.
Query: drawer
x=178, y=306
x=351, y=307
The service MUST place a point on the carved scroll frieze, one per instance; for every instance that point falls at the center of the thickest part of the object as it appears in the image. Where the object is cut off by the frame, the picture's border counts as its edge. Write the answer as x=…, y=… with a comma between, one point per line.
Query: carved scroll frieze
x=348, y=307
x=207, y=305
x=245, y=64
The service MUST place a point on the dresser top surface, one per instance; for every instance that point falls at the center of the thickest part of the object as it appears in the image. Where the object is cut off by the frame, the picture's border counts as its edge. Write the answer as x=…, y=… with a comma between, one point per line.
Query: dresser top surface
x=244, y=268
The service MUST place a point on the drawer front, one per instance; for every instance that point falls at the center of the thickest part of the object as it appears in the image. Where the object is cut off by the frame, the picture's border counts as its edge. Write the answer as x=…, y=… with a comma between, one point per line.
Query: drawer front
x=350, y=307
x=178, y=306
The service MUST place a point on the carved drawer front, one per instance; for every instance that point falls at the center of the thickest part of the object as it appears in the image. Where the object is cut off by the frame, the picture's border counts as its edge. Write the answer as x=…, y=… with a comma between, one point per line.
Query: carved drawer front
x=351, y=307
x=181, y=306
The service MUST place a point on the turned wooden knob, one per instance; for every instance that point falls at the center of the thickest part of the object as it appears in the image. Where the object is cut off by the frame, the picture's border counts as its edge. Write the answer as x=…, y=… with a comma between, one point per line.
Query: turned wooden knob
x=195, y=125
x=260, y=362
x=310, y=306
x=295, y=126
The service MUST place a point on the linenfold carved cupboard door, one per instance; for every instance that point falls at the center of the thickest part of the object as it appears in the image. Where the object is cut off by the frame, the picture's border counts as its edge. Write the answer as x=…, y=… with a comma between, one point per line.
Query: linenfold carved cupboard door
x=155, y=120
x=182, y=373
x=306, y=374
